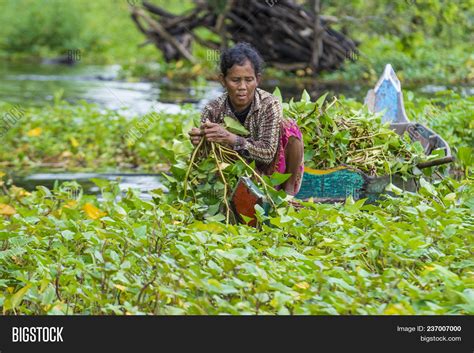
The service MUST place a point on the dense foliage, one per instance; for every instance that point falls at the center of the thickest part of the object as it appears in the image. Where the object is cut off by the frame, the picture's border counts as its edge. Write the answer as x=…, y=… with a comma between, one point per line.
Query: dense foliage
x=425, y=40
x=64, y=136
x=65, y=253
x=452, y=117
x=409, y=255
x=102, y=31
x=334, y=135
x=83, y=137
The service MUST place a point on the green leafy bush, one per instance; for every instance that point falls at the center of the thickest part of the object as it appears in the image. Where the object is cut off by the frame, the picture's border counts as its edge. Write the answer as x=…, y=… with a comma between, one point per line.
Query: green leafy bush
x=33, y=26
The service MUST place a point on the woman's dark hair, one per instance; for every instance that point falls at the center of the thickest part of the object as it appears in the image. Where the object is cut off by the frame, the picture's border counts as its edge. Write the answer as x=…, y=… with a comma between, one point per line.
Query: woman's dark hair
x=238, y=54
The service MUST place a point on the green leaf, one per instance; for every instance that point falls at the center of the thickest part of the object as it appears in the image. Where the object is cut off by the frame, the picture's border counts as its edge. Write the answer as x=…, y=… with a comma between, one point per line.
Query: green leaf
x=321, y=100
x=18, y=296
x=278, y=178
x=67, y=234
x=465, y=155
x=284, y=251
x=140, y=232
x=468, y=297
x=277, y=93
x=246, y=219
x=216, y=218
x=305, y=97
x=393, y=188
x=235, y=127
x=427, y=187
x=48, y=295
x=418, y=147
x=101, y=183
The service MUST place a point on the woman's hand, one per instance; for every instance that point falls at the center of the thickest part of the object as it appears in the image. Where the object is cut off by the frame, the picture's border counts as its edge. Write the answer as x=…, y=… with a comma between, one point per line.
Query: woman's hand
x=195, y=134
x=217, y=133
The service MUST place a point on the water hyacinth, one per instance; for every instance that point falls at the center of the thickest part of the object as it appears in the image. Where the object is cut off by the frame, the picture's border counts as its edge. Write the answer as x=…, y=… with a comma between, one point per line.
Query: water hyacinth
x=73, y=253
x=408, y=255
x=336, y=134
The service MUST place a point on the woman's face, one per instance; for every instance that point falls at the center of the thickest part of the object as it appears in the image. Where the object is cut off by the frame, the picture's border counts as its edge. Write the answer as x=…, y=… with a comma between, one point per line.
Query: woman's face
x=241, y=83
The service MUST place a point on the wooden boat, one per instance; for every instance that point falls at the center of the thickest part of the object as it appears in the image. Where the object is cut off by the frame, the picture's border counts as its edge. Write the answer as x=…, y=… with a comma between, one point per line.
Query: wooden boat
x=335, y=185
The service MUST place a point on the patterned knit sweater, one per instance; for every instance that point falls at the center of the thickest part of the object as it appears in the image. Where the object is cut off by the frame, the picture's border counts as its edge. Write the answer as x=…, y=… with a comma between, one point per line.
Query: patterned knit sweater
x=263, y=122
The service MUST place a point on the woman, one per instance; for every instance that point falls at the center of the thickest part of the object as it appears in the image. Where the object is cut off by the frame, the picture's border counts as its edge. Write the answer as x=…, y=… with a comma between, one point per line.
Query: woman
x=275, y=143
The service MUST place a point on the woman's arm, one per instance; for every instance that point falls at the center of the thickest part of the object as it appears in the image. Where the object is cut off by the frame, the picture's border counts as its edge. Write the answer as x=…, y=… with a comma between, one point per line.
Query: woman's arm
x=213, y=131
x=263, y=148
x=206, y=115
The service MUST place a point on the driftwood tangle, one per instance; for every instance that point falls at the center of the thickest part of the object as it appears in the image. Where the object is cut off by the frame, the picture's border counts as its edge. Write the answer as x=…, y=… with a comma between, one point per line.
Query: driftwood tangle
x=281, y=30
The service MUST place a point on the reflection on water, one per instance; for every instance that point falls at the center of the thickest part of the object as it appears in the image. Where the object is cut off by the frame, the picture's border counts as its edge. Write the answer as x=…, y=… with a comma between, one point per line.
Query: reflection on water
x=142, y=182
x=433, y=89
x=34, y=84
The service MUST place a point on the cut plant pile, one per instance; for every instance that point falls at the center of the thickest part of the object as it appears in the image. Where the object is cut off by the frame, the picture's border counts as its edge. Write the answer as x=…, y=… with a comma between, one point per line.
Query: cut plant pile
x=335, y=134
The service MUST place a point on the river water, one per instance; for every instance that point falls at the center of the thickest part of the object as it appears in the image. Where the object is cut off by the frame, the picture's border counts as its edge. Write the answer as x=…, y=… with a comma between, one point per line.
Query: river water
x=35, y=85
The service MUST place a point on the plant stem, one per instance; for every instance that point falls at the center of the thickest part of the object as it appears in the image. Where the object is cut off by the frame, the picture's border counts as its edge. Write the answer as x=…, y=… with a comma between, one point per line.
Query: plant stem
x=223, y=180
x=193, y=156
